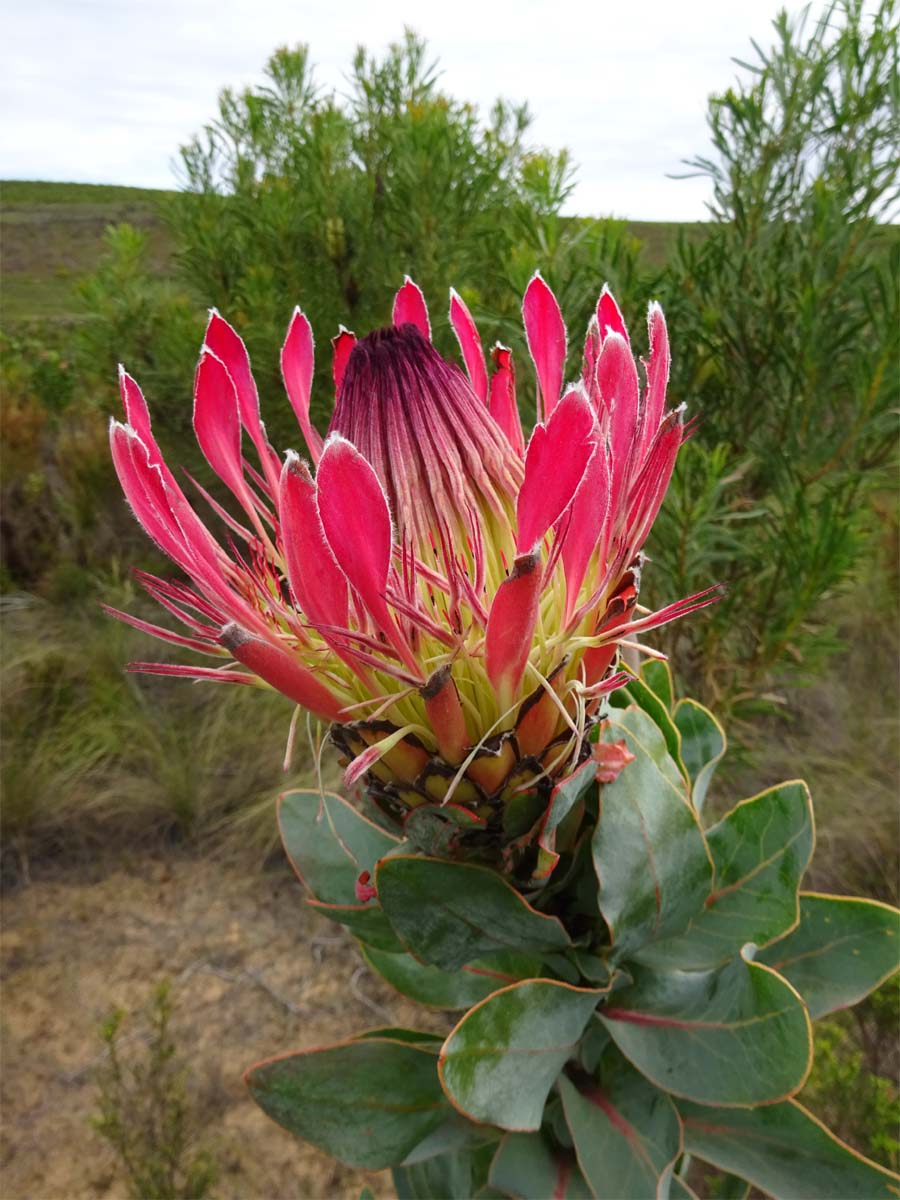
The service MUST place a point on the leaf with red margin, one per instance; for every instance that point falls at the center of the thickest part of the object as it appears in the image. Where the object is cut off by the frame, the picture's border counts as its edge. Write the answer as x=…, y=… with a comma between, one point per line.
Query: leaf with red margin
x=785, y=1152
x=500, y=1062
x=649, y=852
x=637, y=692
x=458, y=989
x=329, y=843
x=627, y=1133
x=738, y=1036
x=526, y=1168
x=368, y=1102
x=563, y=799
x=760, y=851
x=703, y=745
x=842, y=949
x=365, y=921
x=449, y=914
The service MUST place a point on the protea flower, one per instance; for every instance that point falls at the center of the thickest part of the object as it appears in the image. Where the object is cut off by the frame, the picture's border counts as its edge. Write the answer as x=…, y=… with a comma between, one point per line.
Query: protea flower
x=449, y=599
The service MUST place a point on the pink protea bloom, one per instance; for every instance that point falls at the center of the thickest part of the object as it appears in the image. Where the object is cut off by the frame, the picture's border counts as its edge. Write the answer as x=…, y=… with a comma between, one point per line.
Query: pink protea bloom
x=448, y=597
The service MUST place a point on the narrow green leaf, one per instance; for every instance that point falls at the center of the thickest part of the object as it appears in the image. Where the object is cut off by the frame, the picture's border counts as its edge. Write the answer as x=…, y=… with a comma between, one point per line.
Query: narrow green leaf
x=785, y=1152
x=368, y=1103
x=526, y=1168
x=702, y=746
x=329, y=843
x=649, y=852
x=738, y=1035
x=451, y=989
x=627, y=1133
x=449, y=914
x=842, y=949
x=760, y=851
x=501, y=1060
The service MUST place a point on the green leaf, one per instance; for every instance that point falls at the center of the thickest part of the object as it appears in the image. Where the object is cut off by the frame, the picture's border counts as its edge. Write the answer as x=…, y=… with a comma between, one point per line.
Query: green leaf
x=760, y=851
x=456, y=1172
x=650, y=736
x=526, y=1168
x=657, y=675
x=563, y=799
x=637, y=692
x=368, y=1103
x=329, y=843
x=702, y=746
x=842, y=949
x=501, y=1060
x=397, y=1033
x=649, y=852
x=451, y=989
x=738, y=1035
x=627, y=1133
x=785, y=1152
x=365, y=921
x=449, y=914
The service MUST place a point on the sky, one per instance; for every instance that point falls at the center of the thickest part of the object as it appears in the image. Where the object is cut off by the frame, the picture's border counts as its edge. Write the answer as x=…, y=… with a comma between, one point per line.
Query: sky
x=105, y=91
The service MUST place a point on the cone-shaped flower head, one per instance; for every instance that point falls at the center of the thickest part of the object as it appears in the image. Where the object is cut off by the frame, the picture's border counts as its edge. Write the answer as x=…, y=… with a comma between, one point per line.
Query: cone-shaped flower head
x=448, y=597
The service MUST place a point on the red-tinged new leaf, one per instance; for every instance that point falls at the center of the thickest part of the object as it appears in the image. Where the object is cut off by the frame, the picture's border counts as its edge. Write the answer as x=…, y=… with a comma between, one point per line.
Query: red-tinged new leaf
x=546, y=334
x=555, y=462
x=410, y=308
x=297, y=358
x=470, y=344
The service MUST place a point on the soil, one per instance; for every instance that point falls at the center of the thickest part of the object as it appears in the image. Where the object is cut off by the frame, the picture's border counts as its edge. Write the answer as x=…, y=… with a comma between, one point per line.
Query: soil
x=253, y=971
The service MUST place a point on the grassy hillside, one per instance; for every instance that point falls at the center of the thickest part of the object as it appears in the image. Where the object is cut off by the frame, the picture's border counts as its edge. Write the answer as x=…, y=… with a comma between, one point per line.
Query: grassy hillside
x=51, y=235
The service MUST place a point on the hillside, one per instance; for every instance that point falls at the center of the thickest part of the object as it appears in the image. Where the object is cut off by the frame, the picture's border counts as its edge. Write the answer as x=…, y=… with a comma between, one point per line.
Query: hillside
x=51, y=234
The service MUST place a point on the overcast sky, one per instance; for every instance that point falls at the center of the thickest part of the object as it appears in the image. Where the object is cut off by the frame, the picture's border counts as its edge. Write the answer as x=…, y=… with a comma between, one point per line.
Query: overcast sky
x=106, y=90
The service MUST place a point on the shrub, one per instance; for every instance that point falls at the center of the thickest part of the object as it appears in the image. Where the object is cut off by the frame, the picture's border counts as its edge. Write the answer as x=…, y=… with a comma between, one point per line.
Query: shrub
x=789, y=310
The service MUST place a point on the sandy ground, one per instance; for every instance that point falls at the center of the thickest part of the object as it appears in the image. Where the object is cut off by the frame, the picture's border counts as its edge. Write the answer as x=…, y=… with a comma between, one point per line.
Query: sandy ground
x=254, y=972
